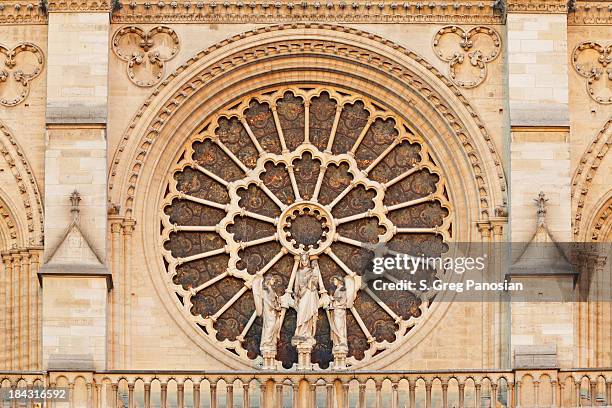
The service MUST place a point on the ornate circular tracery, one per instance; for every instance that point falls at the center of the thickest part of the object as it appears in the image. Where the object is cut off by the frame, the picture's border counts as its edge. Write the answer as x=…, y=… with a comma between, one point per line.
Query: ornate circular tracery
x=294, y=169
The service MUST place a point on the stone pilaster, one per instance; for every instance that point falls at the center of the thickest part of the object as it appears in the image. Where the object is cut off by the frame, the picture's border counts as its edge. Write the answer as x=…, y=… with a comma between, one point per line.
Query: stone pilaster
x=74, y=277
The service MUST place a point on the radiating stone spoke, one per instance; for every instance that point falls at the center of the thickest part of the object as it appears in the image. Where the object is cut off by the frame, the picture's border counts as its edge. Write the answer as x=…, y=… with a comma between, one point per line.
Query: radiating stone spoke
x=341, y=264
x=271, y=263
x=355, y=217
x=272, y=196
x=384, y=154
x=341, y=195
x=247, y=327
x=249, y=131
x=362, y=325
x=259, y=217
x=294, y=185
x=203, y=255
x=231, y=155
x=356, y=243
x=210, y=174
x=402, y=176
x=195, y=228
x=332, y=133
x=382, y=304
x=202, y=201
x=411, y=203
x=415, y=230
x=279, y=129
x=229, y=303
x=315, y=194
x=209, y=282
x=255, y=242
x=364, y=131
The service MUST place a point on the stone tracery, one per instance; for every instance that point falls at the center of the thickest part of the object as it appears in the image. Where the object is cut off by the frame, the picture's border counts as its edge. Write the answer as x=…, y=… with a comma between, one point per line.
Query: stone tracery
x=296, y=169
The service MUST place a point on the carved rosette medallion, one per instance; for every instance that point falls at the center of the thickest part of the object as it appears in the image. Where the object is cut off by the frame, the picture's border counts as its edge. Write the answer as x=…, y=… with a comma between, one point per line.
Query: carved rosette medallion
x=593, y=61
x=146, y=52
x=296, y=169
x=478, y=46
x=18, y=67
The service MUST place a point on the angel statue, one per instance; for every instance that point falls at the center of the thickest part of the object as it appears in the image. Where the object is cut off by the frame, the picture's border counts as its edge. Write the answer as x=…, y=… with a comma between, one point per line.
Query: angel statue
x=343, y=298
x=267, y=305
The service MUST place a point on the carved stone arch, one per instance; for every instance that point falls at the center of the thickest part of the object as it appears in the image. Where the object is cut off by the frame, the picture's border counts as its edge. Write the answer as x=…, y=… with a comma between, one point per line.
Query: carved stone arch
x=26, y=201
x=309, y=56
x=11, y=235
x=600, y=224
x=582, y=181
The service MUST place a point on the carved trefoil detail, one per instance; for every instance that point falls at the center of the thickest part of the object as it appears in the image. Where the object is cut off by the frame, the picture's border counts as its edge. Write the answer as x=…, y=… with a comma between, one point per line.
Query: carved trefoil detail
x=146, y=52
x=479, y=46
x=593, y=61
x=18, y=66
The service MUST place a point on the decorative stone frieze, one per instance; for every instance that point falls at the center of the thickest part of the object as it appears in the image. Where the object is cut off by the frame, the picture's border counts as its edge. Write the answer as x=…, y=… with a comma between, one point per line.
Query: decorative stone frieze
x=146, y=52
x=479, y=45
x=385, y=11
x=18, y=66
x=593, y=61
x=21, y=12
x=78, y=5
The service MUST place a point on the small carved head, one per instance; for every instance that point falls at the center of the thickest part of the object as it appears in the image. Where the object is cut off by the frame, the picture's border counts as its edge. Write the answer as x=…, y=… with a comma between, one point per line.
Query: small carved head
x=304, y=259
x=337, y=281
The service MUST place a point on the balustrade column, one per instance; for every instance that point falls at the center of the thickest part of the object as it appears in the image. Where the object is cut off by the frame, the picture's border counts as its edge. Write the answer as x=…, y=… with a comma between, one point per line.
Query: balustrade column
x=511, y=395
x=180, y=395
x=554, y=390
x=131, y=395
x=412, y=393
x=609, y=392
x=477, y=403
x=378, y=394
x=445, y=394
x=296, y=394
x=461, y=394
x=362, y=395
x=313, y=395
x=115, y=402
x=196, y=395
x=536, y=392
x=593, y=392
x=99, y=396
x=213, y=395
x=147, y=395
x=164, y=395
x=246, y=398
x=577, y=394
x=428, y=385
x=90, y=396
x=345, y=394
x=394, y=395
x=329, y=395
x=229, y=395
x=493, y=394
x=519, y=398
x=279, y=396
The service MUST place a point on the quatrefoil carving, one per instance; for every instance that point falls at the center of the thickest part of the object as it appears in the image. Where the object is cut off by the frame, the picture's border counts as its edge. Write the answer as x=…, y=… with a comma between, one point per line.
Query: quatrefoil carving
x=593, y=61
x=18, y=66
x=480, y=45
x=146, y=52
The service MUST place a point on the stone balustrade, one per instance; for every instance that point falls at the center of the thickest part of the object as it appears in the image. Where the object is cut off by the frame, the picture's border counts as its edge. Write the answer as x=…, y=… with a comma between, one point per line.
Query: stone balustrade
x=329, y=389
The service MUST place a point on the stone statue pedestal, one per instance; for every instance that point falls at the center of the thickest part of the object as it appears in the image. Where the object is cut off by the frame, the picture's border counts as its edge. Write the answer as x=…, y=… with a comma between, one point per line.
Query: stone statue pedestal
x=340, y=353
x=304, y=349
x=269, y=358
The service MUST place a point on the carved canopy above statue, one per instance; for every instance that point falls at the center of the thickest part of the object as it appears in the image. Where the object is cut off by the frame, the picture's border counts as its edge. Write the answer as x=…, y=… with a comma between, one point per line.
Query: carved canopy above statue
x=296, y=169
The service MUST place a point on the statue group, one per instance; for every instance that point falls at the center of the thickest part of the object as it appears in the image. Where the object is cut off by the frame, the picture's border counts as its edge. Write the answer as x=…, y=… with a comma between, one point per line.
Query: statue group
x=306, y=293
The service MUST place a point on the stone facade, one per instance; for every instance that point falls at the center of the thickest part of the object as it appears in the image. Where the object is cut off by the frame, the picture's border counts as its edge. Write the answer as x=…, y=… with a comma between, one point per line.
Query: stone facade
x=105, y=98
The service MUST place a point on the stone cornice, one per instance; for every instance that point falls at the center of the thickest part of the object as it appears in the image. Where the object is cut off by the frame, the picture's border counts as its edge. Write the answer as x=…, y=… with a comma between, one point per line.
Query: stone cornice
x=78, y=6
x=537, y=6
x=266, y=11
x=21, y=12
x=591, y=13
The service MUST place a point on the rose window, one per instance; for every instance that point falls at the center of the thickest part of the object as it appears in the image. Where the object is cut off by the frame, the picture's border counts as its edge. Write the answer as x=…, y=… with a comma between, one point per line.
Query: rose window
x=292, y=170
